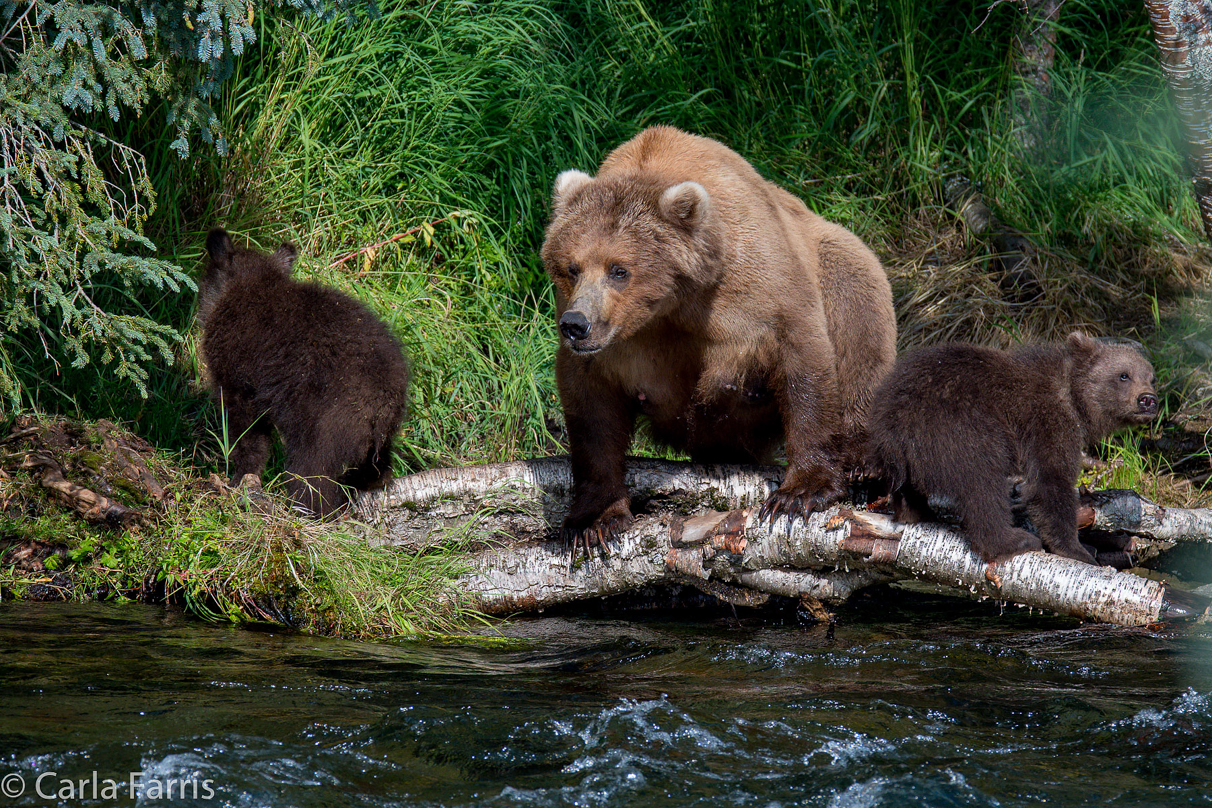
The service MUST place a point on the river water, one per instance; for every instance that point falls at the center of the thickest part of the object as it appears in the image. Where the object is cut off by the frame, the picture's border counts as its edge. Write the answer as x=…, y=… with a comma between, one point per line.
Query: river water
x=909, y=700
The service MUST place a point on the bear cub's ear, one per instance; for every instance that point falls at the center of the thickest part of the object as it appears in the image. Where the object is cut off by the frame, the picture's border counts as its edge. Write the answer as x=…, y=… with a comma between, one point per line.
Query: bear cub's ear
x=218, y=244
x=686, y=203
x=284, y=257
x=1079, y=344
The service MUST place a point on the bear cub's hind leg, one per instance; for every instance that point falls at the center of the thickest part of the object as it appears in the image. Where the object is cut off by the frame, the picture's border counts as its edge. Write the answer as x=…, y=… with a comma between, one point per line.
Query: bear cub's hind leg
x=988, y=522
x=909, y=507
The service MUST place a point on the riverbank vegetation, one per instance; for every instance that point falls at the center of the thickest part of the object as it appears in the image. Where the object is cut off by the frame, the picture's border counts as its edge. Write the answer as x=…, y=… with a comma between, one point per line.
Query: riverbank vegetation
x=411, y=156
x=92, y=511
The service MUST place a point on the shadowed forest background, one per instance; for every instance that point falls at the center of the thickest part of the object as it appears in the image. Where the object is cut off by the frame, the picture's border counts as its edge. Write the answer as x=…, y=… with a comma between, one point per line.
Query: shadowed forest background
x=410, y=155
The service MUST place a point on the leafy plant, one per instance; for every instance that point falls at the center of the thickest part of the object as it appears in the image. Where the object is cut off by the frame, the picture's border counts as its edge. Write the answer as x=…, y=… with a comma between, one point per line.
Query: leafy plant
x=75, y=264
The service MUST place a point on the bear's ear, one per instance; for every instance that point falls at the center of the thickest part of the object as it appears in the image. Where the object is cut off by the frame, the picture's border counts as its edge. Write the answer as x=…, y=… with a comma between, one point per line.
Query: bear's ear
x=218, y=244
x=566, y=186
x=284, y=257
x=686, y=203
x=1080, y=345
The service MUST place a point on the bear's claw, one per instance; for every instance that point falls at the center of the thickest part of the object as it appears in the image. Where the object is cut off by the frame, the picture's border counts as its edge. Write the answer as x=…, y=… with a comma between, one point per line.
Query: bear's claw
x=599, y=535
x=792, y=505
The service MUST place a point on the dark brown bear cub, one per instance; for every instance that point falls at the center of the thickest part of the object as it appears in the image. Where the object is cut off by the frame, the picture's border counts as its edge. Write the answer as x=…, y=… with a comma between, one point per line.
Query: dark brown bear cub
x=313, y=362
x=959, y=421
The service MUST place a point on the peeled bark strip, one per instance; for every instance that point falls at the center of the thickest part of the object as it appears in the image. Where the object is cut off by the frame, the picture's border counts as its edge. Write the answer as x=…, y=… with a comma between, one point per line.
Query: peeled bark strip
x=1183, y=32
x=825, y=558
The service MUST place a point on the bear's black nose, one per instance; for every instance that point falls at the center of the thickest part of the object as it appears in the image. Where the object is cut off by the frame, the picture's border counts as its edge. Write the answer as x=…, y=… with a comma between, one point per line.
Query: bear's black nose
x=574, y=325
x=1147, y=402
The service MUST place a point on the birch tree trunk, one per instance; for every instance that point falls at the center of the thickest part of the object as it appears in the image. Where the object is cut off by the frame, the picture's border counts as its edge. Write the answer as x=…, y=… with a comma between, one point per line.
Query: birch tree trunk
x=1034, y=55
x=509, y=514
x=1183, y=32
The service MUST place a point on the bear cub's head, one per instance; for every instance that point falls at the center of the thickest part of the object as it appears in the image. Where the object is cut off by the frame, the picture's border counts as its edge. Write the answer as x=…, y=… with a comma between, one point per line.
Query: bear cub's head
x=1112, y=383
x=625, y=251
x=230, y=263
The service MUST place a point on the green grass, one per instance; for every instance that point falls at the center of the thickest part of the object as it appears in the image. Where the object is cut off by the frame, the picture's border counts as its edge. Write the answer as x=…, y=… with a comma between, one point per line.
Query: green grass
x=343, y=137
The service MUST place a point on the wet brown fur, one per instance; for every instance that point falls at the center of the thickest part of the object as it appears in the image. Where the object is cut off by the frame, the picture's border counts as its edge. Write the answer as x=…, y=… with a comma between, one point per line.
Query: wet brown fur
x=958, y=421
x=314, y=362
x=742, y=319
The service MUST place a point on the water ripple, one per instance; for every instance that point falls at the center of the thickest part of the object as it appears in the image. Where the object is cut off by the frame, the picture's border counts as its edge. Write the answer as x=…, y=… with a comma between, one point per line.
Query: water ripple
x=604, y=714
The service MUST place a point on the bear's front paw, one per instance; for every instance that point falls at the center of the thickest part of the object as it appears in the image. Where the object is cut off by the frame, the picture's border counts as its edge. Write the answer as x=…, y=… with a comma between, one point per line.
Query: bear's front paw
x=802, y=495
x=586, y=531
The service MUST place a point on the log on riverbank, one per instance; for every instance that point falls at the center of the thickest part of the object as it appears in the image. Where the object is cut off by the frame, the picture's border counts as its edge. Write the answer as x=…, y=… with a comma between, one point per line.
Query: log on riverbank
x=701, y=529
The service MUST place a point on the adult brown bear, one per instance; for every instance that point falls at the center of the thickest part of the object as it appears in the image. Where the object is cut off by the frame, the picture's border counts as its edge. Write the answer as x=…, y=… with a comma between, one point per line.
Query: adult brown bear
x=308, y=359
x=693, y=292
x=959, y=422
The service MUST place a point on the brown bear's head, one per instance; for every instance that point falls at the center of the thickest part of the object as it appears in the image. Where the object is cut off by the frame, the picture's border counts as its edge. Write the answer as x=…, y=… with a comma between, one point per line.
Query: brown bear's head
x=625, y=251
x=229, y=262
x=1113, y=385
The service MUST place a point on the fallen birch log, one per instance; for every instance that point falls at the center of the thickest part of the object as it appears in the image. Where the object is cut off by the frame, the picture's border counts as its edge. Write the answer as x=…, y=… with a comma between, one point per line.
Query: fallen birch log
x=536, y=576
x=511, y=511
x=527, y=499
x=1124, y=511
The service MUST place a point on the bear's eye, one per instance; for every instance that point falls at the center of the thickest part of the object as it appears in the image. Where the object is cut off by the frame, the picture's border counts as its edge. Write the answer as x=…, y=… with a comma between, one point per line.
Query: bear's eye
x=617, y=272
x=573, y=270
x=1123, y=377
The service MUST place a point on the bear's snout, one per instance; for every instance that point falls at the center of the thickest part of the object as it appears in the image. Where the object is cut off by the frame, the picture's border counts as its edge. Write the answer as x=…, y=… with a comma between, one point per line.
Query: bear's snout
x=1147, y=403
x=574, y=325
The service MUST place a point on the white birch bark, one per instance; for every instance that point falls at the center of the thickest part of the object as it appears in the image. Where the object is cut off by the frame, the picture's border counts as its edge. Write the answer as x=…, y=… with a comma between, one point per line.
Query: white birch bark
x=516, y=508
x=524, y=500
x=1183, y=32
x=1128, y=512
x=941, y=555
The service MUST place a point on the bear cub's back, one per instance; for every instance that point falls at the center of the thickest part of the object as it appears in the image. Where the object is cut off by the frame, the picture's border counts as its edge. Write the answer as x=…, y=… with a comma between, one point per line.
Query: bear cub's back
x=267, y=323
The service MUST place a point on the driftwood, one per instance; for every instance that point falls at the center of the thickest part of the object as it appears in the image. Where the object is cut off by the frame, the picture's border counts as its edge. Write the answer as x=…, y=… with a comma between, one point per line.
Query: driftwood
x=93, y=507
x=1014, y=259
x=130, y=463
x=57, y=453
x=702, y=530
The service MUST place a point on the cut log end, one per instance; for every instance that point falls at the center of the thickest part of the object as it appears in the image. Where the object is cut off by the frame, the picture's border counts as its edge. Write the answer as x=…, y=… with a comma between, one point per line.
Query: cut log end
x=1179, y=604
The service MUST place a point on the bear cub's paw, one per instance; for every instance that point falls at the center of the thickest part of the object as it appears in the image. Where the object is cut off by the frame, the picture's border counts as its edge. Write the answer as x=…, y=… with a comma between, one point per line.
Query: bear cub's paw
x=1073, y=550
x=1014, y=541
